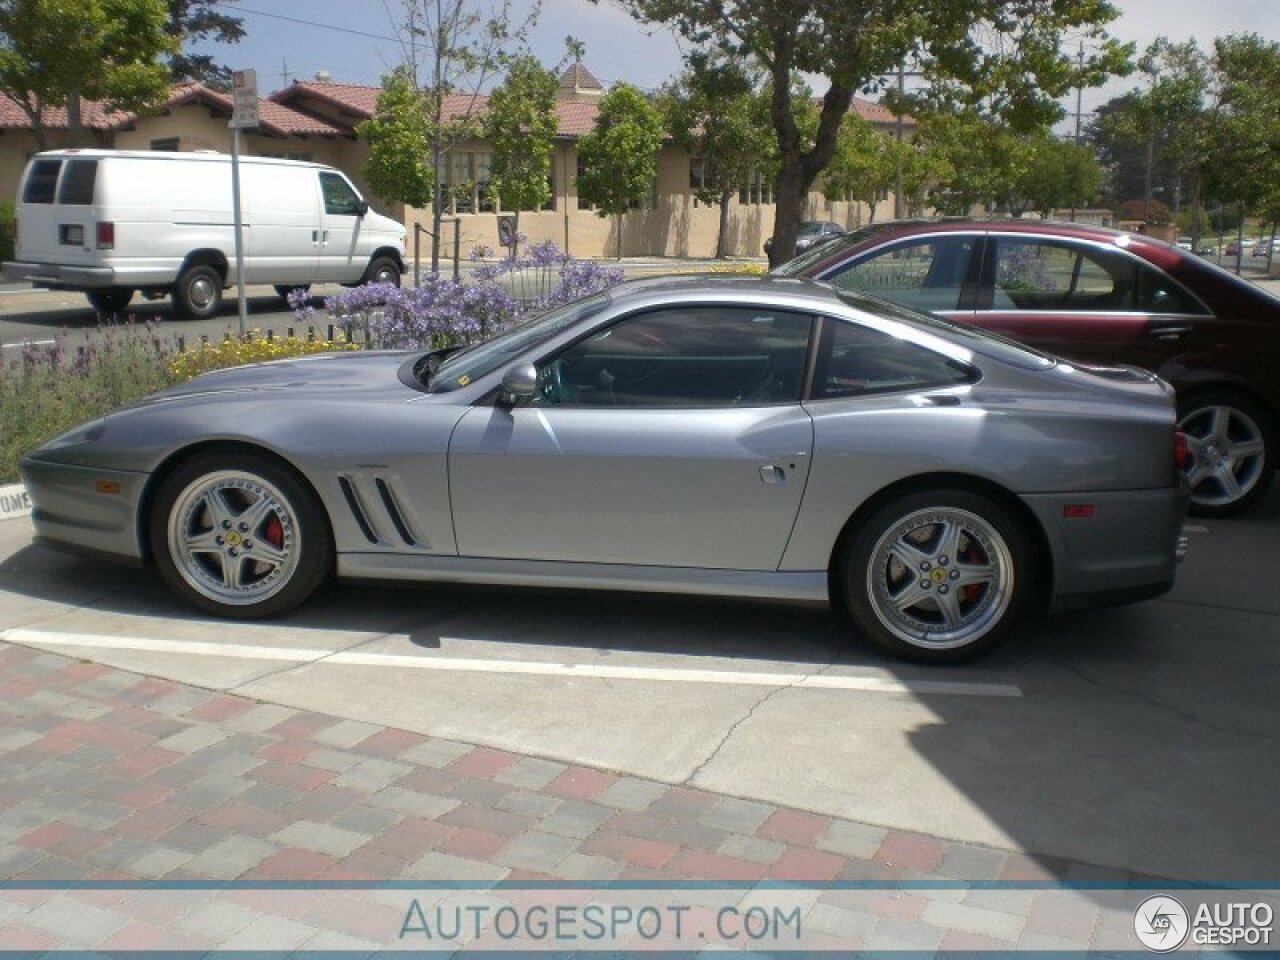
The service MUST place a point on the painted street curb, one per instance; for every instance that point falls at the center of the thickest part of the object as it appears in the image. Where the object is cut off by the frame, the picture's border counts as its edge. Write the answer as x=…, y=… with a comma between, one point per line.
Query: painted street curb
x=14, y=502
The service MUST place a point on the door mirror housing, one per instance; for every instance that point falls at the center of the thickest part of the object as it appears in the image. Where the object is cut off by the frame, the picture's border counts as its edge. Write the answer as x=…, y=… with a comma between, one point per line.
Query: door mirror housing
x=362, y=207
x=520, y=382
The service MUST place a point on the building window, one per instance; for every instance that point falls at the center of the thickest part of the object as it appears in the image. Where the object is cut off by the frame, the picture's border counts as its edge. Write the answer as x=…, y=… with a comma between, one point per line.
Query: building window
x=167, y=144
x=467, y=183
x=758, y=190
x=582, y=168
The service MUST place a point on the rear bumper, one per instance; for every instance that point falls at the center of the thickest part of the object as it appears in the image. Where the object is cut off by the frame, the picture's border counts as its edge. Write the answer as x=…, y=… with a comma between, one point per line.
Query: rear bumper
x=58, y=275
x=1128, y=549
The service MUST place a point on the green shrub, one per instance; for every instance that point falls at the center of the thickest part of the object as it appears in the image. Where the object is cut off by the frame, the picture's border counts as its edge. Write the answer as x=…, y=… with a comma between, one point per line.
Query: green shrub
x=7, y=225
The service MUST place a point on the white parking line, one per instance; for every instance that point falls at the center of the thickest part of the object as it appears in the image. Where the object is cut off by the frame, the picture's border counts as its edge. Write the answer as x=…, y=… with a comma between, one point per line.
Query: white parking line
x=800, y=681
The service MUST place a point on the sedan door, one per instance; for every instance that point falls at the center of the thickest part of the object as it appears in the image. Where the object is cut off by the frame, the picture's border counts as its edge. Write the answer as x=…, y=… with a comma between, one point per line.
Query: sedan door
x=673, y=437
x=1088, y=302
x=937, y=273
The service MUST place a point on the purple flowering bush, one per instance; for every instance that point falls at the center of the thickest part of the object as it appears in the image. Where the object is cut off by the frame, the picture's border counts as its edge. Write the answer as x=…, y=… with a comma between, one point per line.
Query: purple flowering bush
x=441, y=312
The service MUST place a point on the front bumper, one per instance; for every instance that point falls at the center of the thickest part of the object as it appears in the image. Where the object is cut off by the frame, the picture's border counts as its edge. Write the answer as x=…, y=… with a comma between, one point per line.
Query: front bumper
x=1127, y=548
x=85, y=508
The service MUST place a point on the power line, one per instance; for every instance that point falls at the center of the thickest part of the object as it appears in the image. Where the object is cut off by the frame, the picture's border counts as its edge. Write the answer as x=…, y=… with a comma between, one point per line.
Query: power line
x=316, y=24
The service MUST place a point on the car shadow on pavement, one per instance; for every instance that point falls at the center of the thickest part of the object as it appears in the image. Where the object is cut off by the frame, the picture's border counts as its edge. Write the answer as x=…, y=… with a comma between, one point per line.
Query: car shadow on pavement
x=138, y=313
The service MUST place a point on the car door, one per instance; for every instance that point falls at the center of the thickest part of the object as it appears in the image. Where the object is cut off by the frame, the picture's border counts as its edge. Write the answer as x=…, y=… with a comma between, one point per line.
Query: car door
x=282, y=211
x=342, y=257
x=1089, y=302
x=673, y=437
x=937, y=273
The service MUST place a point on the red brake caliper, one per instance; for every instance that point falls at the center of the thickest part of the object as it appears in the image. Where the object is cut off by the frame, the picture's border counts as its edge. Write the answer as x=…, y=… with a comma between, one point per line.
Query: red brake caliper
x=274, y=532
x=971, y=554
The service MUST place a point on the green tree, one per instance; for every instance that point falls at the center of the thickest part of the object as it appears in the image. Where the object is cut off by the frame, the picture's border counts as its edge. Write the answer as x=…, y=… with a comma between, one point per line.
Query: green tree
x=451, y=50
x=53, y=53
x=397, y=169
x=863, y=166
x=620, y=154
x=1007, y=54
x=713, y=111
x=1056, y=173
x=201, y=20
x=519, y=124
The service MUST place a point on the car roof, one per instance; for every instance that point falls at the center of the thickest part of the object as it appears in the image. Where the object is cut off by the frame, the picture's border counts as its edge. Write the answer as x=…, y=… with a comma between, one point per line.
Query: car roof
x=728, y=286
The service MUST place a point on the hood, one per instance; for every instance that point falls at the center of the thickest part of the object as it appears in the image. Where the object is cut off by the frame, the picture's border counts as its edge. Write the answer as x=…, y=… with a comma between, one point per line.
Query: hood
x=364, y=372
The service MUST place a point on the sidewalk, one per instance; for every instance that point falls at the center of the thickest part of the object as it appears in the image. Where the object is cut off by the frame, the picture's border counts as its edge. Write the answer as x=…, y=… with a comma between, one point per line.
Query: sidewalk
x=108, y=775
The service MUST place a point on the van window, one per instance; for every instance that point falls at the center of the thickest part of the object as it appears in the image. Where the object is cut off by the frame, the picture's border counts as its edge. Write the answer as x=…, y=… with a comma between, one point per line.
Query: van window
x=77, y=182
x=41, y=181
x=339, y=198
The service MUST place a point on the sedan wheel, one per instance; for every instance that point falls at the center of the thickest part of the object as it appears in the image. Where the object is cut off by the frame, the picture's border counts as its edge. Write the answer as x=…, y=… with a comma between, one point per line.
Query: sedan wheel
x=239, y=536
x=1230, y=463
x=939, y=576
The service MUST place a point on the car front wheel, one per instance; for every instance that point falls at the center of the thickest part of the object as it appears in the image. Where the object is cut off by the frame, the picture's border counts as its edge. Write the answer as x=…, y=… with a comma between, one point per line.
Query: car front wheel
x=938, y=576
x=239, y=535
x=1231, y=441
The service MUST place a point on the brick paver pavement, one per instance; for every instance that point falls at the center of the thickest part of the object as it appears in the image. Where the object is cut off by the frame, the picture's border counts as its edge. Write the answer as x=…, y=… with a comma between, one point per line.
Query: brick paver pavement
x=108, y=775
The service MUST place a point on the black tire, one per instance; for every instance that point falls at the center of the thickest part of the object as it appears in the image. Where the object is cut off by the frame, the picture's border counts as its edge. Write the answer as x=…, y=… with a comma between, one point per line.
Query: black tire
x=198, y=292
x=383, y=270
x=109, y=299
x=257, y=540
x=874, y=580
x=1232, y=445
x=283, y=290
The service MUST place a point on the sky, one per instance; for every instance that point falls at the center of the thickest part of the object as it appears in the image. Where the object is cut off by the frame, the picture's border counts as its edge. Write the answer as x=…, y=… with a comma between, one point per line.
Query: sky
x=355, y=40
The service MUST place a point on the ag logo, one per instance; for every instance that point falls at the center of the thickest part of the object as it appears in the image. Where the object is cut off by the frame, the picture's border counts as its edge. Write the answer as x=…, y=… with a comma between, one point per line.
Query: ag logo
x=1161, y=924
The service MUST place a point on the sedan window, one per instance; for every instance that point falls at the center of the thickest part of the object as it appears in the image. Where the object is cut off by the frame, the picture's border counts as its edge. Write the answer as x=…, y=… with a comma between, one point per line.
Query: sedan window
x=1053, y=275
x=924, y=274
x=855, y=360
x=687, y=357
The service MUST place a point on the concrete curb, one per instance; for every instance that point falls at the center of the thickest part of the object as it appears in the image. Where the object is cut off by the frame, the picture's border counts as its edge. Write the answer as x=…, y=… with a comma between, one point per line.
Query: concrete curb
x=14, y=501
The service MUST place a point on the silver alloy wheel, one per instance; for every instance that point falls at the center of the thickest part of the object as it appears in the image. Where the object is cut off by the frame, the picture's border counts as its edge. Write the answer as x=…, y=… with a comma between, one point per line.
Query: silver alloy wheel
x=940, y=578
x=201, y=292
x=233, y=538
x=1227, y=454
x=386, y=274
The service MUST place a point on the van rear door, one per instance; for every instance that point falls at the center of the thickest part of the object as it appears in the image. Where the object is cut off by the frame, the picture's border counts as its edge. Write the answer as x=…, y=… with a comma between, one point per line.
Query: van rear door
x=57, y=220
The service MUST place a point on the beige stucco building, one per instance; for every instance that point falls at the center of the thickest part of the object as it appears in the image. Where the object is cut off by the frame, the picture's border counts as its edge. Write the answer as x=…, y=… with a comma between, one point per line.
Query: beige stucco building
x=316, y=120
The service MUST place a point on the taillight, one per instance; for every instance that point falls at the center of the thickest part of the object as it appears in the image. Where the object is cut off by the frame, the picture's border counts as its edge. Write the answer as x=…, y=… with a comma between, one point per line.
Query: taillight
x=106, y=235
x=1181, y=450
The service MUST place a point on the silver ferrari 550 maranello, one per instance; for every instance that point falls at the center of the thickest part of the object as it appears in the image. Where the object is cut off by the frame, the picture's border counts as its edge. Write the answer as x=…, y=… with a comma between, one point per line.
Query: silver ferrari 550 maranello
x=733, y=436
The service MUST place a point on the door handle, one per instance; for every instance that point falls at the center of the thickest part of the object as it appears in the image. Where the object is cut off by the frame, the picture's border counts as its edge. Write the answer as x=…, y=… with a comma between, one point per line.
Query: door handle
x=1169, y=334
x=772, y=473
x=315, y=236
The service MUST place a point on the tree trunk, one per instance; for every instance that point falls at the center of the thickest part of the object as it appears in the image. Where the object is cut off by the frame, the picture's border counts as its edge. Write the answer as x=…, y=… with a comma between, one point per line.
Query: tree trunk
x=620, y=216
x=788, y=206
x=871, y=211
x=721, y=236
x=515, y=234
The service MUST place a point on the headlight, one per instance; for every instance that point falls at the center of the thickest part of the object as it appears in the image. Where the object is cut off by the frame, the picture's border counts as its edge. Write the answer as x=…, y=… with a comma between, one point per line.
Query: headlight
x=81, y=434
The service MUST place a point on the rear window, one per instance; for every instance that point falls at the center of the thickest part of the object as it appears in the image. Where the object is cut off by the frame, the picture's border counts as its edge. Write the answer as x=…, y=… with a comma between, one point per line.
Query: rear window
x=41, y=181
x=77, y=182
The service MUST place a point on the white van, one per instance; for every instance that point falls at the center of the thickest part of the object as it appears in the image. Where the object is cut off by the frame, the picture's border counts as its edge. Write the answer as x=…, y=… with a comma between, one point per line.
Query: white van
x=112, y=222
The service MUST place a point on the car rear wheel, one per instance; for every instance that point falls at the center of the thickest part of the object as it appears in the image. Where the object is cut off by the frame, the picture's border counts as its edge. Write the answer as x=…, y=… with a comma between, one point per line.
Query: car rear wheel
x=109, y=299
x=283, y=290
x=198, y=292
x=939, y=576
x=1231, y=441
x=239, y=535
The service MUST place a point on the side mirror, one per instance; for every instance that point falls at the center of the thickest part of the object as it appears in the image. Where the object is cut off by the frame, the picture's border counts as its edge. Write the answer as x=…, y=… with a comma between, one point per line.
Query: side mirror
x=362, y=207
x=519, y=383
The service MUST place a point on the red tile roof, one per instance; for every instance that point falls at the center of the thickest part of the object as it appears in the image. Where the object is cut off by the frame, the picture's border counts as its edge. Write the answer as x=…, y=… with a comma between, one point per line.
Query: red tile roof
x=93, y=116
x=578, y=77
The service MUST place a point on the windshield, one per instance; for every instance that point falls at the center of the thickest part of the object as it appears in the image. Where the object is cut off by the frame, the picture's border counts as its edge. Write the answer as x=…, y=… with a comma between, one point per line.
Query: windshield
x=478, y=361
x=808, y=226
x=799, y=266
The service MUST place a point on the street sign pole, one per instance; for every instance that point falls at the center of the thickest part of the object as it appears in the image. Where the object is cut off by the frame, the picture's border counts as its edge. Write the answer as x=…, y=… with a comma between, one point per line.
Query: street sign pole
x=244, y=115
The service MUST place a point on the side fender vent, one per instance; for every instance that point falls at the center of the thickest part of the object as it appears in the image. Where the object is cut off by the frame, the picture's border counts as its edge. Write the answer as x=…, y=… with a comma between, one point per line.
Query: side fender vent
x=357, y=509
x=394, y=512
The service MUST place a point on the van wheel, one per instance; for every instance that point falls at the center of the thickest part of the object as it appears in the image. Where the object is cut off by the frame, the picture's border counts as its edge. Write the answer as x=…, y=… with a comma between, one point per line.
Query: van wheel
x=283, y=290
x=383, y=270
x=109, y=299
x=198, y=292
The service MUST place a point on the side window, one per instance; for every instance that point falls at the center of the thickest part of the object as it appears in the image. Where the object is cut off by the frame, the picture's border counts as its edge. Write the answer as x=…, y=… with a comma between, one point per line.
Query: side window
x=1159, y=293
x=925, y=274
x=1039, y=275
x=41, y=181
x=77, y=182
x=687, y=357
x=339, y=198
x=856, y=360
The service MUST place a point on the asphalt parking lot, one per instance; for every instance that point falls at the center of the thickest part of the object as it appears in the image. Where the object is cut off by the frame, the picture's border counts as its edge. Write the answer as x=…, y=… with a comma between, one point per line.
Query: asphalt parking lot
x=1141, y=738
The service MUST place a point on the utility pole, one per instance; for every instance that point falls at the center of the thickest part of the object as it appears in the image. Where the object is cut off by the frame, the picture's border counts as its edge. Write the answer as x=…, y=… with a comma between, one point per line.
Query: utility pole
x=898, y=205
x=1079, y=94
x=285, y=75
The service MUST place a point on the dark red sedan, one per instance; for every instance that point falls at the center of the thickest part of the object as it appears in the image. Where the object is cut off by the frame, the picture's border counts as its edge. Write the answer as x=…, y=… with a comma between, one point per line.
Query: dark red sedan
x=1097, y=296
